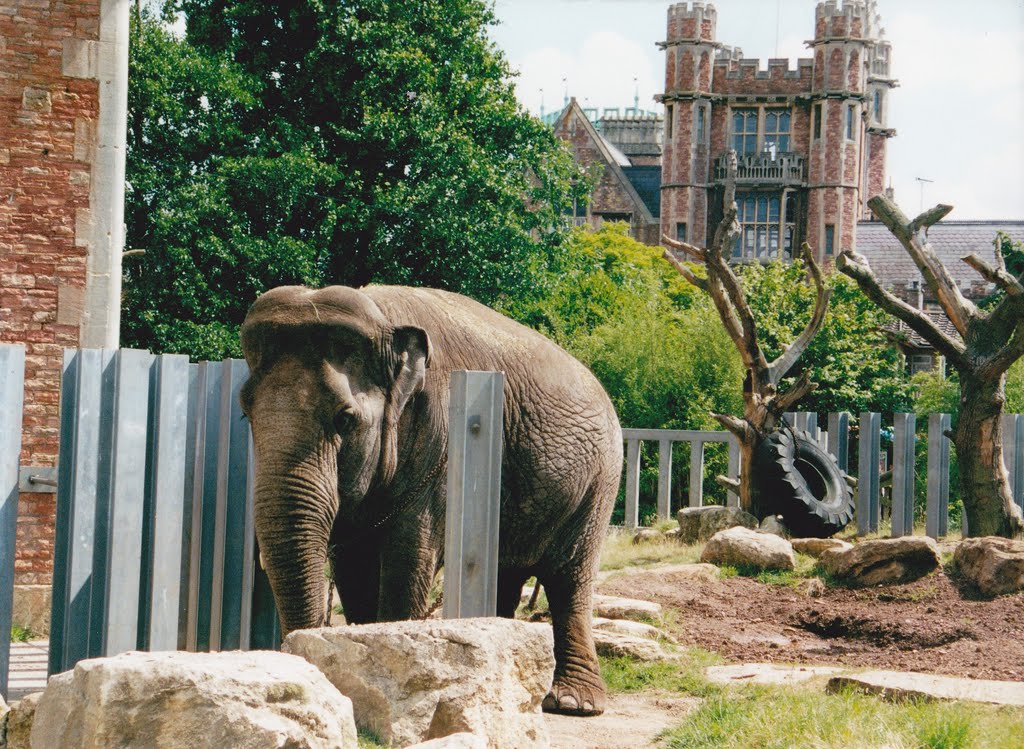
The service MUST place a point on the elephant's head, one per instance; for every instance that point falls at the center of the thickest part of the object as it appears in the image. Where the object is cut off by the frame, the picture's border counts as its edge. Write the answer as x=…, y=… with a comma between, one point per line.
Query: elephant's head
x=329, y=379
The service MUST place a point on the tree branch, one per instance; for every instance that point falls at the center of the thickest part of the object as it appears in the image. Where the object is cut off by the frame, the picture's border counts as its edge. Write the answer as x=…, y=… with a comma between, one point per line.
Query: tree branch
x=998, y=276
x=785, y=400
x=856, y=267
x=959, y=309
x=1006, y=356
x=778, y=368
x=734, y=424
x=689, y=275
x=698, y=253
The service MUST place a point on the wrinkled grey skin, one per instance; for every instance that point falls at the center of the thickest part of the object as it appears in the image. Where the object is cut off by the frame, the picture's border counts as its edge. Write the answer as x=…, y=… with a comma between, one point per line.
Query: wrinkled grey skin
x=348, y=400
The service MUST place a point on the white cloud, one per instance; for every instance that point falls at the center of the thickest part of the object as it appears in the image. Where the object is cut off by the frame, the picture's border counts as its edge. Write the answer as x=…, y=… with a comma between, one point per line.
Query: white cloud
x=605, y=69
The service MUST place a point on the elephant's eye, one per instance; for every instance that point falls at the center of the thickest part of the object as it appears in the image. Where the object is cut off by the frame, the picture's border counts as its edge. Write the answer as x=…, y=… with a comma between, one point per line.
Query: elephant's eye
x=344, y=420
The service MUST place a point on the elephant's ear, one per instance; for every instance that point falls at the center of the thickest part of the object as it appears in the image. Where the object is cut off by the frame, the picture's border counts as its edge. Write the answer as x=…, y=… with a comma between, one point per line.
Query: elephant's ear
x=406, y=356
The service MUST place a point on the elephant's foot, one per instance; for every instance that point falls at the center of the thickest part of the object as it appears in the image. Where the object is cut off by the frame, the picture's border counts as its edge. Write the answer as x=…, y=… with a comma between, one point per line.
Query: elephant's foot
x=569, y=696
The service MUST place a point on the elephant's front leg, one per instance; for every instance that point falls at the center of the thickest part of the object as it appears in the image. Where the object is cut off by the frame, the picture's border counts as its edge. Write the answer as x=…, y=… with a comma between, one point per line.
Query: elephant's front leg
x=409, y=561
x=357, y=575
x=578, y=688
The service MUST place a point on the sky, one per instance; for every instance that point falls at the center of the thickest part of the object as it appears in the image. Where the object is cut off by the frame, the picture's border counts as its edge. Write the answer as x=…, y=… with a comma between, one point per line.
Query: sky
x=958, y=110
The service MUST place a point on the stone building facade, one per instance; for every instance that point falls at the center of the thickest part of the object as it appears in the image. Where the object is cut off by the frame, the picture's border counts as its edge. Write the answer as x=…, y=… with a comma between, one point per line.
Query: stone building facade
x=810, y=139
x=63, y=73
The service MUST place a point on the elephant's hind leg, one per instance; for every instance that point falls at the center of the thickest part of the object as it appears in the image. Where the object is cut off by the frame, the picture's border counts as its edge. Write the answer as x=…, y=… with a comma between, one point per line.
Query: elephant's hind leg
x=357, y=575
x=578, y=688
x=510, y=591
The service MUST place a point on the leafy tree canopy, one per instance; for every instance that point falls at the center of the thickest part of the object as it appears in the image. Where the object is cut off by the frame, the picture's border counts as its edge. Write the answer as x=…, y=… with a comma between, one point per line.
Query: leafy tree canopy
x=321, y=142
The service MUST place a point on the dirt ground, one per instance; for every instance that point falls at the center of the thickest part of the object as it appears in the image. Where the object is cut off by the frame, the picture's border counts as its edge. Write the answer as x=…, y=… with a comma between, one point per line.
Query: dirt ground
x=924, y=626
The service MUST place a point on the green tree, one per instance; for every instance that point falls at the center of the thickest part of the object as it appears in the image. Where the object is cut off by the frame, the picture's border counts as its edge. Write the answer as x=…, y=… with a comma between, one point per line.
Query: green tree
x=327, y=142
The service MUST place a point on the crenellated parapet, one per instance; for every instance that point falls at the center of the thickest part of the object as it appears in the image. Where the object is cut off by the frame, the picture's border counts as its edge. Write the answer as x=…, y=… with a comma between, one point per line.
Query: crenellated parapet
x=750, y=69
x=846, y=20
x=691, y=22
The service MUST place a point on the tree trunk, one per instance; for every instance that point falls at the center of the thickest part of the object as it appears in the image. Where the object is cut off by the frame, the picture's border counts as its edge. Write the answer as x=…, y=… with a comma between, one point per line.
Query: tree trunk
x=984, y=484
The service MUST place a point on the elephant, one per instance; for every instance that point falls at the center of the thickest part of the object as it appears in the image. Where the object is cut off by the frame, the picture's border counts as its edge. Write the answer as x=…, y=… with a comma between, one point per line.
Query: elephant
x=348, y=398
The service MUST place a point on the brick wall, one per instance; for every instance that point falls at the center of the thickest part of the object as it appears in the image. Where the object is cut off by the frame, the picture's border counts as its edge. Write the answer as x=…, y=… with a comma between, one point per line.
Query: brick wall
x=47, y=121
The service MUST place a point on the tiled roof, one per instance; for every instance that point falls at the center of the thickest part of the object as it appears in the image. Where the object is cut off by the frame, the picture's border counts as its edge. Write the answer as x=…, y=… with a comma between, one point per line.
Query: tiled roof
x=899, y=329
x=647, y=181
x=951, y=240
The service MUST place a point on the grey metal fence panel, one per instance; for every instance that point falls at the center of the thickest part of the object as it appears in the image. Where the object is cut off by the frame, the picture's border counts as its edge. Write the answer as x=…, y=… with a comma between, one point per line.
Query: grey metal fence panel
x=867, y=473
x=632, y=518
x=903, y=475
x=937, y=497
x=208, y=392
x=839, y=439
x=732, y=498
x=1013, y=455
x=166, y=496
x=185, y=602
x=124, y=526
x=230, y=544
x=696, y=473
x=664, y=479
x=474, y=494
x=12, y=398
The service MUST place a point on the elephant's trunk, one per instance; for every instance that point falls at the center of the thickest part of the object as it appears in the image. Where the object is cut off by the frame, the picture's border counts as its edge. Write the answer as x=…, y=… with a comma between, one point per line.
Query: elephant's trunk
x=296, y=502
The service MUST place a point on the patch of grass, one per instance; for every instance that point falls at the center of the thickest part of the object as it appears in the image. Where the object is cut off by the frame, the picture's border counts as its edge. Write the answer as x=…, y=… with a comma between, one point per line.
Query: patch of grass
x=369, y=740
x=806, y=567
x=620, y=551
x=21, y=634
x=759, y=716
x=684, y=675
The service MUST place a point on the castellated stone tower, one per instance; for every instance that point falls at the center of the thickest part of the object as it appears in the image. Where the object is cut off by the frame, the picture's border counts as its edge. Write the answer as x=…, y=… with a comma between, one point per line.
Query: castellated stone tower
x=810, y=139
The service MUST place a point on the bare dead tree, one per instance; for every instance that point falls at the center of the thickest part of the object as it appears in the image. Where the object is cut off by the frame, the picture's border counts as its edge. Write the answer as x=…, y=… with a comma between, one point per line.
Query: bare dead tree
x=987, y=344
x=765, y=397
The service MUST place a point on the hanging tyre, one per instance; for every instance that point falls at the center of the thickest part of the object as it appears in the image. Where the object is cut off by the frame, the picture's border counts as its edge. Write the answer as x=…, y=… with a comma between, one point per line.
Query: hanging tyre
x=802, y=482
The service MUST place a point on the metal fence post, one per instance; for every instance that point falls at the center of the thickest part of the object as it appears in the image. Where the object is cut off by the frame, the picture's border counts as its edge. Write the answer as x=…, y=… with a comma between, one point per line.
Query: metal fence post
x=12, y=398
x=867, y=473
x=839, y=439
x=632, y=518
x=165, y=493
x=732, y=498
x=474, y=494
x=664, y=479
x=903, y=475
x=697, y=473
x=937, y=502
x=1013, y=455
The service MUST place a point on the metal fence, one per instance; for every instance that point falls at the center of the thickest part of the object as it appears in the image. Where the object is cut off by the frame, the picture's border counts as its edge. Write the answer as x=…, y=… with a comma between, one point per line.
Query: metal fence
x=837, y=440
x=154, y=547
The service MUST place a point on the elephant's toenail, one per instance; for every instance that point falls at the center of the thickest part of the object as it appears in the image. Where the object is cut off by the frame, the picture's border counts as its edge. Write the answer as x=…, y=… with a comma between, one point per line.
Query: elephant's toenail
x=588, y=705
x=568, y=703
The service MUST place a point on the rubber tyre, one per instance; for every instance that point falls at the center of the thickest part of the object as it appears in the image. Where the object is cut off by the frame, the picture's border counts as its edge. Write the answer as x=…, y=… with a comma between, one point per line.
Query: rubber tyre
x=803, y=483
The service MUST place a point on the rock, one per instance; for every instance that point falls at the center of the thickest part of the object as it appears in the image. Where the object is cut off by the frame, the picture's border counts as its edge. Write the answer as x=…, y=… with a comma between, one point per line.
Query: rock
x=701, y=523
x=897, y=685
x=19, y=721
x=697, y=571
x=615, y=644
x=454, y=741
x=815, y=547
x=888, y=561
x=745, y=547
x=813, y=587
x=419, y=680
x=647, y=535
x=612, y=607
x=672, y=534
x=242, y=700
x=627, y=627
x=767, y=673
x=774, y=524
x=993, y=565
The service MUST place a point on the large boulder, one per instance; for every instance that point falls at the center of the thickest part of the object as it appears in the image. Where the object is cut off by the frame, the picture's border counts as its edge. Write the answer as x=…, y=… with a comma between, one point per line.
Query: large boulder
x=627, y=627
x=742, y=547
x=888, y=561
x=454, y=741
x=414, y=681
x=255, y=700
x=18, y=730
x=701, y=523
x=993, y=565
x=815, y=547
x=615, y=644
